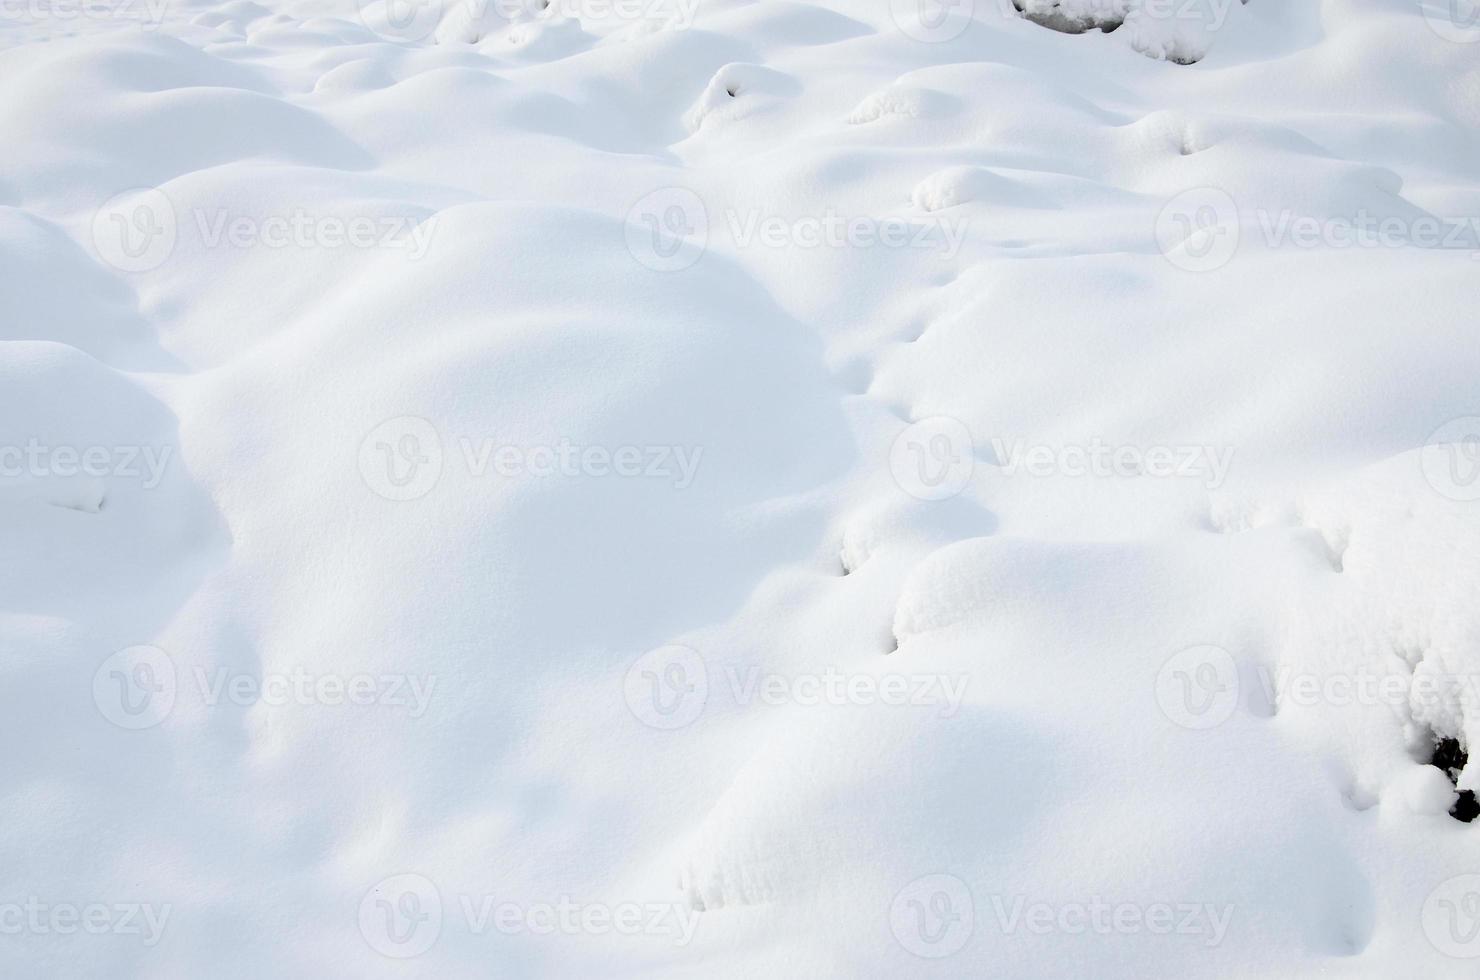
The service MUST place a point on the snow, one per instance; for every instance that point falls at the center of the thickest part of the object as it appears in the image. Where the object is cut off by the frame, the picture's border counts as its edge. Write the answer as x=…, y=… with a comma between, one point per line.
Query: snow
x=738, y=488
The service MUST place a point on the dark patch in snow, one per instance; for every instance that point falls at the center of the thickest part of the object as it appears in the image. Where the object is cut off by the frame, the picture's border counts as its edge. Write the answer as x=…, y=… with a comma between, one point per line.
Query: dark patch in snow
x=1451, y=757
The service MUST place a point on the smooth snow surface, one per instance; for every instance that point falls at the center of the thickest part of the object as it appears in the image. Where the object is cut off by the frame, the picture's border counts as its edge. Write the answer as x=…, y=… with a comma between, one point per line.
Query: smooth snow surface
x=739, y=488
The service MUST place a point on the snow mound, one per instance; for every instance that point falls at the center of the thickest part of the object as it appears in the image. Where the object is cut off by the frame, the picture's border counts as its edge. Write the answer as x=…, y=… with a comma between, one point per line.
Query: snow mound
x=1181, y=32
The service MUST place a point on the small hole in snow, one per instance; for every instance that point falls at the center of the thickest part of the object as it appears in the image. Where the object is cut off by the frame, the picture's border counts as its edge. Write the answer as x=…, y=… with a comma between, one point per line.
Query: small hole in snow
x=731, y=91
x=1452, y=758
x=1449, y=756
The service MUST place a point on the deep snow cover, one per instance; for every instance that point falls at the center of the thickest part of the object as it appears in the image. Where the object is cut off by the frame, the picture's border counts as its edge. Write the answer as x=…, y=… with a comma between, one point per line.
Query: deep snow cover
x=739, y=488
